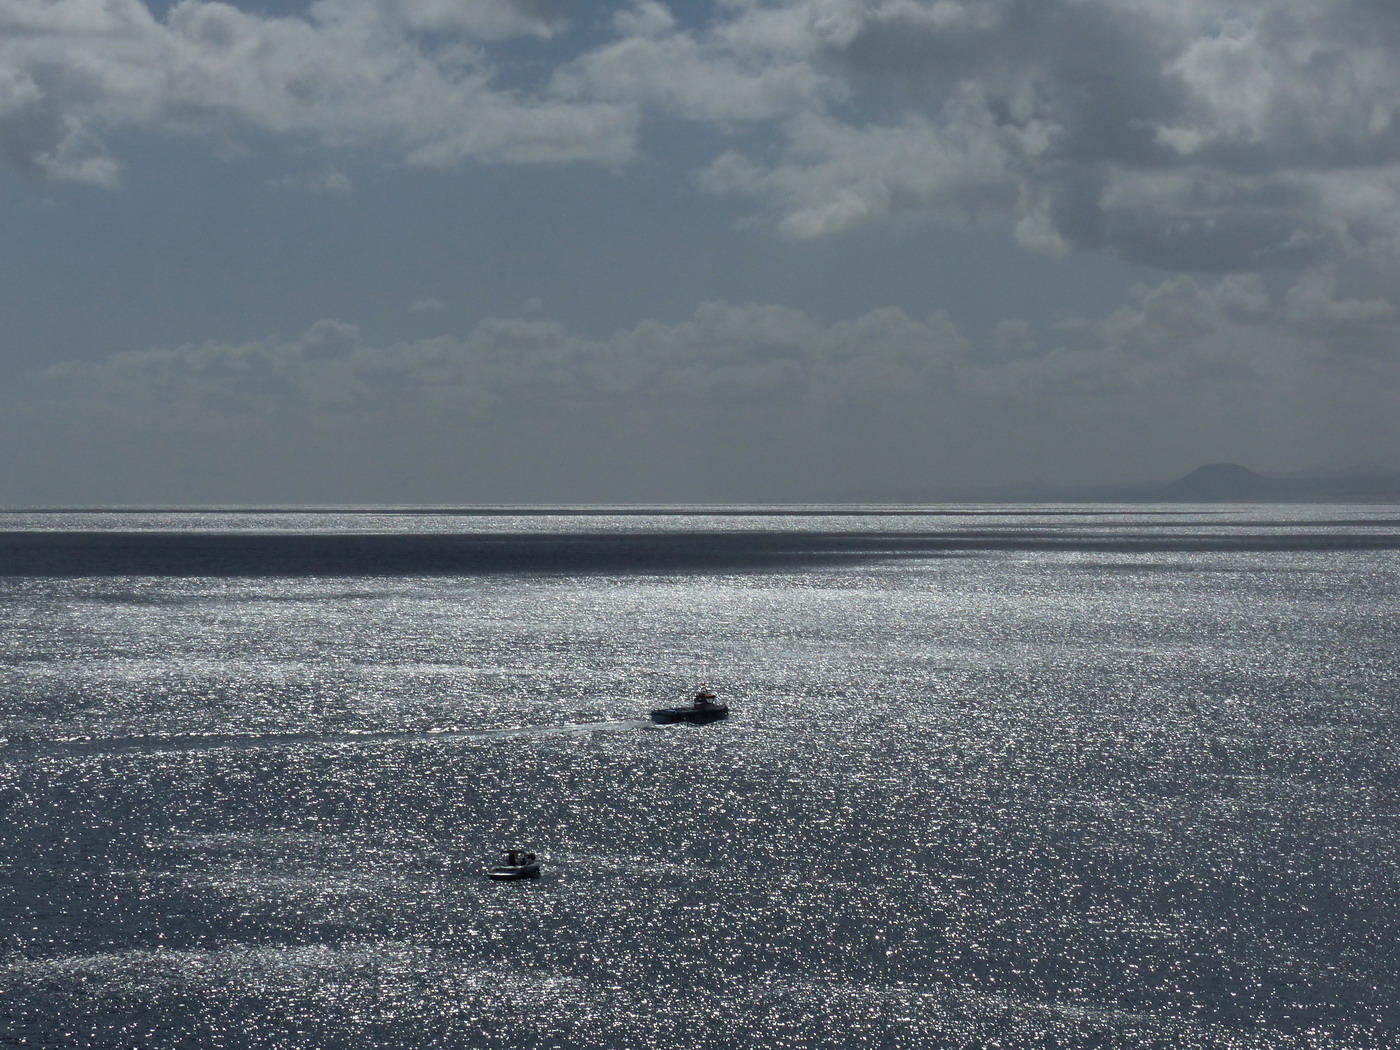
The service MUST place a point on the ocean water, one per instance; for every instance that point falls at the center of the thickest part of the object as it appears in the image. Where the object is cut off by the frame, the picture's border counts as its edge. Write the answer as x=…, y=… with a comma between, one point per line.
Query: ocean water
x=1043, y=777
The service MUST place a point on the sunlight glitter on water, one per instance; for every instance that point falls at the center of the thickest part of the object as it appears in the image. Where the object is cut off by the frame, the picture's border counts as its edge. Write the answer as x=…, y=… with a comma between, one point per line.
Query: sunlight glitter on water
x=1049, y=799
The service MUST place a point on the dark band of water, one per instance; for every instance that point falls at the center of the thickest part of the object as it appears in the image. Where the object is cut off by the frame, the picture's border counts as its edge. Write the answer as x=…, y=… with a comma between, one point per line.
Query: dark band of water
x=76, y=553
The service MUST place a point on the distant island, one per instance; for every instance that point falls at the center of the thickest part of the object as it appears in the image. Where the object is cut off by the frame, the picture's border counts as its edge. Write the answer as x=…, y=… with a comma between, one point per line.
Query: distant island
x=1233, y=483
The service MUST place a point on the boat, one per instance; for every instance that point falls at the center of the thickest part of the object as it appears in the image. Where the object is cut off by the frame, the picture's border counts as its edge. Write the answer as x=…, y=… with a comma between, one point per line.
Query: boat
x=516, y=864
x=706, y=707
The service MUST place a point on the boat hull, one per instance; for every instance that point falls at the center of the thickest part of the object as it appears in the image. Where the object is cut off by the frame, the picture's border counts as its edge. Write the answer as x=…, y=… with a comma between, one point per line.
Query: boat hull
x=693, y=715
x=515, y=872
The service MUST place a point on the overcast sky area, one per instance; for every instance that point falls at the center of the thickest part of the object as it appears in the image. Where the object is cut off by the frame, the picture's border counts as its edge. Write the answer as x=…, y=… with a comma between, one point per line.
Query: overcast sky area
x=536, y=251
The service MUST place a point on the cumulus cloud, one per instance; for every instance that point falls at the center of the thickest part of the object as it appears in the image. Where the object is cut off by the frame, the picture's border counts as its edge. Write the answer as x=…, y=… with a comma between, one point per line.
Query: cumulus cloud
x=737, y=402
x=348, y=73
x=1180, y=135
x=727, y=73
x=1175, y=134
x=836, y=176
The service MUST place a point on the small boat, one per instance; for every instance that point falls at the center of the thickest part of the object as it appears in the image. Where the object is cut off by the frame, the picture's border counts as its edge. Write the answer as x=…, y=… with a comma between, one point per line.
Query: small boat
x=706, y=707
x=516, y=864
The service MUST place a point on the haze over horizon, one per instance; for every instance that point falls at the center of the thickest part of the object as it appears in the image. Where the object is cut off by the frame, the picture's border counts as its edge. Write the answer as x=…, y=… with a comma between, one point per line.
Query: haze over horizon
x=411, y=251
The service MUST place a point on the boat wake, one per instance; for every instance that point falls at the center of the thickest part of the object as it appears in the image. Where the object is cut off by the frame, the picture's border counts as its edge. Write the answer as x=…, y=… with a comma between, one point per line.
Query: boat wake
x=184, y=742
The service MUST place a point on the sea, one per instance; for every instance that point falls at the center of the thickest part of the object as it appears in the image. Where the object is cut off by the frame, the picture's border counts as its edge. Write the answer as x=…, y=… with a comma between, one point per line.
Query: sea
x=1035, y=776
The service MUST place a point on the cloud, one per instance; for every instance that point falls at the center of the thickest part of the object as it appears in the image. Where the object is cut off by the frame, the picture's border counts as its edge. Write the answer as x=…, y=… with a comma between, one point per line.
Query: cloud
x=1160, y=131
x=349, y=73
x=483, y=19
x=328, y=180
x=1312, y=297
x=1178, y=135
x=737, y=402
x=835, y=176
x=726, y=74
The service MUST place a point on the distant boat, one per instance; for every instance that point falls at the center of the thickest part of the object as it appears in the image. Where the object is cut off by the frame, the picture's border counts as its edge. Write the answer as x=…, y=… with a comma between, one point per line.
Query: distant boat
x=516, y=864
x=706, y=707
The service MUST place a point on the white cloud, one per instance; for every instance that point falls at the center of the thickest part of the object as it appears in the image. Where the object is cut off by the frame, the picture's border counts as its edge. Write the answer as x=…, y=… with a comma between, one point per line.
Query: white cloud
x=349, y=73
x=720, y=76
x=644, y=18
x=834, y=176
x=1312, y=297
x=1232, y=79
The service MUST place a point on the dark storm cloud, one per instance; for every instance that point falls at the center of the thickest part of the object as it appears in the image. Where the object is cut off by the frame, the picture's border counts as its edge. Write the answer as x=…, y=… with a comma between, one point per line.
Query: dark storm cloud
x=1094, y=67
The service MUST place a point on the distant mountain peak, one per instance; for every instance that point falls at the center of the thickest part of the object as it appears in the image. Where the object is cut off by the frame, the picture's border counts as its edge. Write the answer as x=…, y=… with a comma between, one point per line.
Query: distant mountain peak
x=1215, y=481
x=1236, y=483
x=1231, y=481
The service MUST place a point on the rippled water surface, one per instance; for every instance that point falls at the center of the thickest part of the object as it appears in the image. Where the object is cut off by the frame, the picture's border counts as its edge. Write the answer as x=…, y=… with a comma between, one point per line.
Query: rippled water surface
x=1030, y=777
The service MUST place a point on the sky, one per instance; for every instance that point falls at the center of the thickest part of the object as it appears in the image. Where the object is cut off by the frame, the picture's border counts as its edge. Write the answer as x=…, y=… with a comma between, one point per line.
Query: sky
x=479, y=252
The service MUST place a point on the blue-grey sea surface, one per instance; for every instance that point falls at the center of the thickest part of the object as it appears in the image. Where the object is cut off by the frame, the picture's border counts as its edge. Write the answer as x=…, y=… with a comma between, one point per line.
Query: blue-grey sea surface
x=1041, y=777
